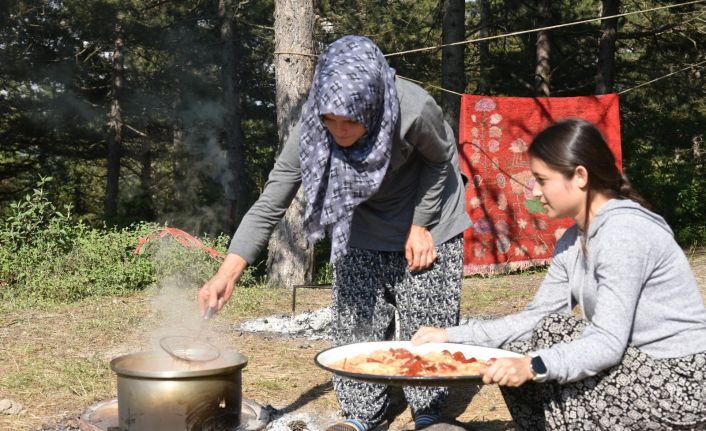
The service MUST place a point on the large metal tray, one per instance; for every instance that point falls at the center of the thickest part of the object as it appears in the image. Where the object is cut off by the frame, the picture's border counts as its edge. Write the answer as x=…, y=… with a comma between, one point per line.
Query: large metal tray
x=326, y=357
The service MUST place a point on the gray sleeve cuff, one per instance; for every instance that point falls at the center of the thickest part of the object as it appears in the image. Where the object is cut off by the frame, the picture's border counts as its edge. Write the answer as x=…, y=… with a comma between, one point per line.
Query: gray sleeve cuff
x=424, y=218
x=460, y=334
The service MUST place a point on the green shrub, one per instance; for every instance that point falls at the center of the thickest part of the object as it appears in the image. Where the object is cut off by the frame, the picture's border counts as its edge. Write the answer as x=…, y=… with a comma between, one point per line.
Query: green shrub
x=191, y=267
x=324, y=275
x=99, y=263
x=64, y=261
x=48, y=257
x=693, y=236
x=691, y=231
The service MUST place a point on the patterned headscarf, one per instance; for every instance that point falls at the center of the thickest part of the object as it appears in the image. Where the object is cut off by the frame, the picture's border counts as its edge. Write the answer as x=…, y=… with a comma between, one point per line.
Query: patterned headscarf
x=352, y=79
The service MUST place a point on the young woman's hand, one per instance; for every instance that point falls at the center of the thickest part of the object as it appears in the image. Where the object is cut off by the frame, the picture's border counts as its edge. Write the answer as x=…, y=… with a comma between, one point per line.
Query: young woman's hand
x=427, y=334
x=508, y=371
x=419, y=249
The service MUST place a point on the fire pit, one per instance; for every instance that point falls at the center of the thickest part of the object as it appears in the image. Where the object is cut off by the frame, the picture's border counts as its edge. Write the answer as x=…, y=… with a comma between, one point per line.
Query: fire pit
x=157, y=392
x=103, y=416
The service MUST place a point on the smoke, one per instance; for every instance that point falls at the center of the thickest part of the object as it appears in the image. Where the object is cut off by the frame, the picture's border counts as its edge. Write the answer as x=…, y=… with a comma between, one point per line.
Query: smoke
x=174, y=304
x=201, y=192
x=176, y=310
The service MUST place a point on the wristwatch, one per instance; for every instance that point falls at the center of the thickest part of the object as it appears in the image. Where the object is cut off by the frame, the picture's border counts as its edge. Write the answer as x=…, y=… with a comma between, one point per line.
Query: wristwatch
x=538, y=369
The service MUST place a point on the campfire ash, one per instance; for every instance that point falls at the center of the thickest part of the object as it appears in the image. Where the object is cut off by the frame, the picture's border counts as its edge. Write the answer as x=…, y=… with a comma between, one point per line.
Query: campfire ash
x=304, y=421
x=313, y=325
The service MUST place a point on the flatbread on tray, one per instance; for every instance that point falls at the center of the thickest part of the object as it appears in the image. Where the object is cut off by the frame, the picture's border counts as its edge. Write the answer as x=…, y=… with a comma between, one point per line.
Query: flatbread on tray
x=389, y=362
x=402, y=362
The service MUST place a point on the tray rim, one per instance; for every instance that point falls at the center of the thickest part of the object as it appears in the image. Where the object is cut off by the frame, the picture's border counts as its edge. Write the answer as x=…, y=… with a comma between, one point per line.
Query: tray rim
x=410, y=380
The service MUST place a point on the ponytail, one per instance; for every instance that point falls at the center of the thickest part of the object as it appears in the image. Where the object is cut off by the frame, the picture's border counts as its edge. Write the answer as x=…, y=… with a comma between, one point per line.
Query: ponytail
x=624, y=190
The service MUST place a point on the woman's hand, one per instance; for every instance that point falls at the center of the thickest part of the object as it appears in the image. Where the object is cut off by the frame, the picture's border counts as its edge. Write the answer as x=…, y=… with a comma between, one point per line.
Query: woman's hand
x=508, y=371
x=218, y=290
x=427, y=334
x=419, y=249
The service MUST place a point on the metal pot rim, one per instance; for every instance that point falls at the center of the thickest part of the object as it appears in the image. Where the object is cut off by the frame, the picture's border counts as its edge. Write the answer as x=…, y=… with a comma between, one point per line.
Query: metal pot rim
x=226, y=364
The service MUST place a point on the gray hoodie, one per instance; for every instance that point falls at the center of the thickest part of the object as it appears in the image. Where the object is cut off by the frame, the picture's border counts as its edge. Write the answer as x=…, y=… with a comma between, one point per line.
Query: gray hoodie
x=636, y=288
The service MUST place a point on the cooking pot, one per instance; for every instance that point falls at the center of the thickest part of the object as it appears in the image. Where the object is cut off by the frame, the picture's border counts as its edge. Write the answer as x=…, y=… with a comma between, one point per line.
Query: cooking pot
x=159, y=393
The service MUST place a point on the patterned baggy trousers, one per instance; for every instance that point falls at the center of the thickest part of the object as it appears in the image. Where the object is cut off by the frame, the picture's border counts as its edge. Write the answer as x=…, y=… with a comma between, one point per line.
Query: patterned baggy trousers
x=640, y=393
x=368, y=287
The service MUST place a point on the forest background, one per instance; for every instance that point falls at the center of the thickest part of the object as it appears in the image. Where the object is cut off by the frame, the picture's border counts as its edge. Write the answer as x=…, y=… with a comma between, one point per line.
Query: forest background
x=118, y=117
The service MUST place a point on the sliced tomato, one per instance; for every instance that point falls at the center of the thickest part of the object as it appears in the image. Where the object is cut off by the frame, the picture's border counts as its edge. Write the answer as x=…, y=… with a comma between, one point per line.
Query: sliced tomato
x=459, y=356
x=412, y=367
x=447, y=367
x=401, y=353
x=410, y=362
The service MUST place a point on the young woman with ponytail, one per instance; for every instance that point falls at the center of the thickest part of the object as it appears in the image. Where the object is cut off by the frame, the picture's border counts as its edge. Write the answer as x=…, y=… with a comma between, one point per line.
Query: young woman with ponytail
x=634, y=357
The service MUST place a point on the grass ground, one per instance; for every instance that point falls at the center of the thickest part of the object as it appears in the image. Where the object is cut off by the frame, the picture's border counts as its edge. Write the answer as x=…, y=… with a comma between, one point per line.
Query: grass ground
x=55, y=362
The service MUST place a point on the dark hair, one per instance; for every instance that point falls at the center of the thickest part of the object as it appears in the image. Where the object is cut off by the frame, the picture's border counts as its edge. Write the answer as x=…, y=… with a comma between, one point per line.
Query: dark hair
x=573, y=142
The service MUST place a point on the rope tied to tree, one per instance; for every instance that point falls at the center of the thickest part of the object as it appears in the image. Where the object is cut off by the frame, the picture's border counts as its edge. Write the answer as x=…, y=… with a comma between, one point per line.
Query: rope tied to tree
x=534, y=30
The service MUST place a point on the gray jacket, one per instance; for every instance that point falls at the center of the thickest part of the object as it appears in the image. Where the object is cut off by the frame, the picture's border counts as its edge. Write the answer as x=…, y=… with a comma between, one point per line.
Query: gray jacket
x=423, y=186
x=636, y=288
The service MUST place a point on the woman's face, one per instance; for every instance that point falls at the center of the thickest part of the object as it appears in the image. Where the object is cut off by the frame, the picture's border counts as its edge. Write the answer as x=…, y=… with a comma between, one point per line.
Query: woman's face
x=345, y=131
x=561, y=197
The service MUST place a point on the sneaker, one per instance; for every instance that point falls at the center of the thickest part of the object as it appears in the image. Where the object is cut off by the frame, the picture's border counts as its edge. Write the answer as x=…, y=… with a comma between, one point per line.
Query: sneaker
x=347, y=425
x=423, y=421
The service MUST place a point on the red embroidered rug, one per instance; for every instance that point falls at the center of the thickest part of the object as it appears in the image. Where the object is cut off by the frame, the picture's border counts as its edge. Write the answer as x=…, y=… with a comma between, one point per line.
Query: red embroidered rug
x=510, y=230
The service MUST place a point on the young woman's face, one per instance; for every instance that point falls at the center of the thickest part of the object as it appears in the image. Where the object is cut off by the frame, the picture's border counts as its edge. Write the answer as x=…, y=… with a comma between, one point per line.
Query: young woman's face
x=345, y=131
x=561, y=197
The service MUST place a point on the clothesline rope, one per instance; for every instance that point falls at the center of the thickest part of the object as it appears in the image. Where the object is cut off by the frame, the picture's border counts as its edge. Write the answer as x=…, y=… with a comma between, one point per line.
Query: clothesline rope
x=429, y=85
x=516, y=33
x=691, y=66
x=552, y=27
x=698, y=65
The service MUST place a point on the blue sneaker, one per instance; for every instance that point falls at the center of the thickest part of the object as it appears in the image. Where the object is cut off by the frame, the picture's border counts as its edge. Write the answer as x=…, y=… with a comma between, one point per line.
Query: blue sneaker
x=348, y=425
x=424, y=420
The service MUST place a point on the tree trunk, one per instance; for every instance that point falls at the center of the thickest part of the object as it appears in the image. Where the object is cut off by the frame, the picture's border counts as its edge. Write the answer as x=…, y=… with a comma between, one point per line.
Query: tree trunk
x=484, y=48
x=290, y=257
x=452, y=65
x=115, y=129
x=605, y=79
x=542, y=75
x=233, y=129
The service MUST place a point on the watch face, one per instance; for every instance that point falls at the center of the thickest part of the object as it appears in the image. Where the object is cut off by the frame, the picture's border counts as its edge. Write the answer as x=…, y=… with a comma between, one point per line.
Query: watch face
x=538, y=366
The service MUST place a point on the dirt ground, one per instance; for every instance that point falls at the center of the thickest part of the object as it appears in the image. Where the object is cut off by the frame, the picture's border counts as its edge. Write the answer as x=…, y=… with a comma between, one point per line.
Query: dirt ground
x=55, y=363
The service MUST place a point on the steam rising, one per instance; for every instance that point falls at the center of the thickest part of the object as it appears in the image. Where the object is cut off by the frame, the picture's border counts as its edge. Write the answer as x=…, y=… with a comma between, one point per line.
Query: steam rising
x=174, y=306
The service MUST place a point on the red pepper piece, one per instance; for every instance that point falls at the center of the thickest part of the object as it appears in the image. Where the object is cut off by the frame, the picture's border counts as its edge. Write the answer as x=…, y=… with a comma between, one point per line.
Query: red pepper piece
x=447, y=367
x=412, y=367
x=401, y=353
x=459, y=356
